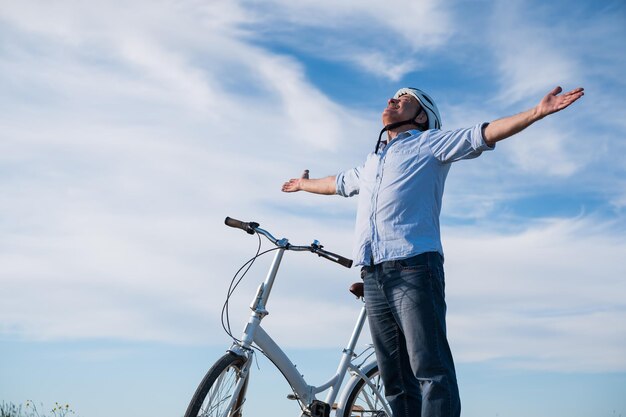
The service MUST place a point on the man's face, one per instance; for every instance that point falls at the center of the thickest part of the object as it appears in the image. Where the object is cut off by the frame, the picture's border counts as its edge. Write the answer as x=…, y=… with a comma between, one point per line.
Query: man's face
x=400, y=109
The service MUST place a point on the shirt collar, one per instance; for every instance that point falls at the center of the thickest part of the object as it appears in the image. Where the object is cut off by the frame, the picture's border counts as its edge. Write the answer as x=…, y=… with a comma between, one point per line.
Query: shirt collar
x=410, y=132
x=405, y=134
x=401, y=135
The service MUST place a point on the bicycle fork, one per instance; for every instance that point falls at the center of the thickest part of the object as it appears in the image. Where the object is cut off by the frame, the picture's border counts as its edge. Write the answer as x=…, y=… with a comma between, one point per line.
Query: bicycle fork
x=241, y=383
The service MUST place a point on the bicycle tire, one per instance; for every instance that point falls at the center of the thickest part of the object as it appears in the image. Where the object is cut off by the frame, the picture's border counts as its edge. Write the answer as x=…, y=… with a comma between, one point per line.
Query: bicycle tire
x=363, y=402
x=216, y=389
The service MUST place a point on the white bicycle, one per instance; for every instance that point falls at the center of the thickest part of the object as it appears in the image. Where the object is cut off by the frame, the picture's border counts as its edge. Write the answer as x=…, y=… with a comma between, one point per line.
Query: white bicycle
x=222, y=392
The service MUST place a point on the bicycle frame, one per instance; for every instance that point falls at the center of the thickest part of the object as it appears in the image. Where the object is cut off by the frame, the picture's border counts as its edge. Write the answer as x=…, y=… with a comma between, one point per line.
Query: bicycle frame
x=255, y=334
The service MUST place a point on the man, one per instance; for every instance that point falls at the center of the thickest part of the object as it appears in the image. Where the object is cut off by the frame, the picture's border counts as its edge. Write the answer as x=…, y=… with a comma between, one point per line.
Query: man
x=398, y=243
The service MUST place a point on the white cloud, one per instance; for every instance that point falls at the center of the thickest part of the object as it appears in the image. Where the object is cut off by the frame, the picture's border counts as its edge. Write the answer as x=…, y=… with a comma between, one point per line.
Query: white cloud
x=380, y=64
x=619, y=200
x=124, y=146
x=549, y=297
x=545, y=151
x=529, y=54
x=304, y=113
x=420, y=24
x=374, y=37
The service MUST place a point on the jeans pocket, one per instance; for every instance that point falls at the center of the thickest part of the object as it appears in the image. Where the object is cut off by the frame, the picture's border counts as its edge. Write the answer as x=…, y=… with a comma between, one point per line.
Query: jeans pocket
x=413, y=263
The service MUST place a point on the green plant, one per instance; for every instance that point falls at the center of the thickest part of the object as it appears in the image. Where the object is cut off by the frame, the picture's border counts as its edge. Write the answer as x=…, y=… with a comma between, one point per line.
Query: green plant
x=30, y=410
x=10, y=410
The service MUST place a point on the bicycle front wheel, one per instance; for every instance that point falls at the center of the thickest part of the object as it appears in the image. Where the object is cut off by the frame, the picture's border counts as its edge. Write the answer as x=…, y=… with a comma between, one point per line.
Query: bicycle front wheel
x=214, y=394
x=367, y=400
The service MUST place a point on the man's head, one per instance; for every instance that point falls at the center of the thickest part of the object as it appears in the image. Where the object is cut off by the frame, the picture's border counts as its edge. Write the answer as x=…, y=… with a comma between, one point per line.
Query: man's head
x=412, y=106
x=409, y=107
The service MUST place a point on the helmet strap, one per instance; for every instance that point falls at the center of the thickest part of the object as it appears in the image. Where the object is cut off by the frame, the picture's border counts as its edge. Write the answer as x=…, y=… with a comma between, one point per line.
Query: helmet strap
x=395, y=125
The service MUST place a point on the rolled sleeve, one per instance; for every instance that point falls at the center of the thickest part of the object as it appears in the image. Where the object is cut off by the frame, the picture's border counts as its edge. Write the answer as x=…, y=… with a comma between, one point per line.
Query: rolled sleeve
x=458, y=144
x=347, y=182
x=482, y=145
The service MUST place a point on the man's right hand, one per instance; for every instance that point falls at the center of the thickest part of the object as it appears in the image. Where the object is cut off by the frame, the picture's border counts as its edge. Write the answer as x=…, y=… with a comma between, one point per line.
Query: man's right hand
x=295, y=184
x=324, y=186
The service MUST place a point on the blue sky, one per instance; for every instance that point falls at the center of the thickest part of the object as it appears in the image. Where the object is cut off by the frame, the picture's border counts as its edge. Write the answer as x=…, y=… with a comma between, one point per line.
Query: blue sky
x=130, y=130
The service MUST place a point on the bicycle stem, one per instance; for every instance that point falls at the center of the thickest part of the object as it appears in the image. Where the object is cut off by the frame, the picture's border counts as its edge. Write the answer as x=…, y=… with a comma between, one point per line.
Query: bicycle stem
x=260, y=300
x=271, y=276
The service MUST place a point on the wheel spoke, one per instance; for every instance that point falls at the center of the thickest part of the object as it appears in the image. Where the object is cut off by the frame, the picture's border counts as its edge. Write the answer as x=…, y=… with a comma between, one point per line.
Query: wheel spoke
x=367, y=399
x=214, y=397
x=220, y=394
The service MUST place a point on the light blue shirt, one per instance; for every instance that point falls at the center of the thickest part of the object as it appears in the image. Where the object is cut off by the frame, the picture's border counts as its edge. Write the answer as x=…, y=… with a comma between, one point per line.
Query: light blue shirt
x=400, y=191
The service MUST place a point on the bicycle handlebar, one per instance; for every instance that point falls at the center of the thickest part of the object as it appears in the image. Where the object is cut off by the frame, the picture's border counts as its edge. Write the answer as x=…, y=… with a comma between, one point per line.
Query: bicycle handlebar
x=253, y=227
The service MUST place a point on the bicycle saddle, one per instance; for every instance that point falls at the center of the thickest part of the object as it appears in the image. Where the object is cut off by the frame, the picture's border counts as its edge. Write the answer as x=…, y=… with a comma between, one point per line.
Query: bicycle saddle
x=357, y=289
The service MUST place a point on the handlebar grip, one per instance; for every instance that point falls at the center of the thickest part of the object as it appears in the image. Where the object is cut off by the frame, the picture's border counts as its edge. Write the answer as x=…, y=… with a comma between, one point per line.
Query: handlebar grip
x=248, y=227
x=344, y=261
x=335, y=258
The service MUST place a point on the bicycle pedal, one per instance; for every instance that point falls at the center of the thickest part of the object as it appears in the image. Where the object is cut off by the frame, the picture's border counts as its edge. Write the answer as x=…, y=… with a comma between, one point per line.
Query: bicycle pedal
x=319, y=409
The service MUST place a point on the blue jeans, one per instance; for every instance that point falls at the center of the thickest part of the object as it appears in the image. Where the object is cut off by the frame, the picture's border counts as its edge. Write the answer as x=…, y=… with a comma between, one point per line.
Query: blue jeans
x=406, y=310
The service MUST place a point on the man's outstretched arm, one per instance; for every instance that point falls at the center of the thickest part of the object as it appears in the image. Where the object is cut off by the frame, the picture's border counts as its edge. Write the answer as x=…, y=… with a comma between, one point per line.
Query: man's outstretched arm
x=551, y=103
x=324, y=186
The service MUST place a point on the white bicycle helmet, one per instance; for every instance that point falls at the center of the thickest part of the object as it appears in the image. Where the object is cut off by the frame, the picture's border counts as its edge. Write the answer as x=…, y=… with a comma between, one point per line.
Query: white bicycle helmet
x=427, y=103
